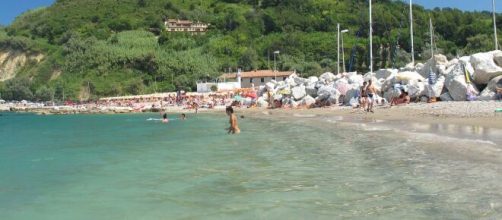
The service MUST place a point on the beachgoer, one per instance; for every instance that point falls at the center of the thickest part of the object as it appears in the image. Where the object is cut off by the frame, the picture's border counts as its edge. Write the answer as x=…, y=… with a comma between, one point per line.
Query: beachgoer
x=363, y=96
x=498, y=94
x=234, y=128
x=164, y=118
x=270, y=100
x=196, y=107
x=404, y=98
x=183, y=116
x=371, y=92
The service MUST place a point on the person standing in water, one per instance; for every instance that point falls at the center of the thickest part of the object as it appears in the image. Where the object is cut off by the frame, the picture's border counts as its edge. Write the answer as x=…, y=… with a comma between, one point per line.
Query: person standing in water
x=363, y=96
x=164, y=118
x=234, y=127
x=371, y=91
x=183, y=116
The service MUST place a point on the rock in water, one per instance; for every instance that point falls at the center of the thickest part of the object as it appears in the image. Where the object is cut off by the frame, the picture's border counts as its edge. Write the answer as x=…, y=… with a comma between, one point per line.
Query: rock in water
x=485, y=67
x=489, y=93
x=298, y=92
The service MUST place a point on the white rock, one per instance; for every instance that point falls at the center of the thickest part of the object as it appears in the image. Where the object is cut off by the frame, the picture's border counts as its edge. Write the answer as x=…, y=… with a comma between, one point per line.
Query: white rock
x=270, y=86
x=385, y=73
x=311, y=90
x=327, y=92
x=435, y=90
x=466, y=61
x=418, y=67
x=457, y=87
x=308, y=101
x=455, y=61
x=312, y=80
x=351, y=93
x=416, y=89
x=406, y=77
x=446, y=97
x=278, y=97
x=294, y=104
x=298, y=92
x=356, y=79
x=485, y=67
x=261, y=102
x=489, y=93
x=497, y=57
x=438, y=64
x=330, y=77
x=300, y=81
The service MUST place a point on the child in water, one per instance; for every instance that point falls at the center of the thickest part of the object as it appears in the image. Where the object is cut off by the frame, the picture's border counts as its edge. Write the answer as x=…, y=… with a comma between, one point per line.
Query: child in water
x=183, y=116
x=234, y=128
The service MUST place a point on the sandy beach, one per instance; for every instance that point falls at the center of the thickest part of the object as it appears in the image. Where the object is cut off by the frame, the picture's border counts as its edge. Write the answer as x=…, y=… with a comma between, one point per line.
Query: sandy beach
x=458, y=113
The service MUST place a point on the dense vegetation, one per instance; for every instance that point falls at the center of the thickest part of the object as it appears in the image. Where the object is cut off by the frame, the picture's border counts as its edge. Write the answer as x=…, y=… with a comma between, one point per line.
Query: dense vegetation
x=119, y=47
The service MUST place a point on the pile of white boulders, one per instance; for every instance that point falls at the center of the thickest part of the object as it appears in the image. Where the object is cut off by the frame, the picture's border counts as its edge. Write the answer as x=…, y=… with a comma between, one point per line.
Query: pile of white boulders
x=485, y=70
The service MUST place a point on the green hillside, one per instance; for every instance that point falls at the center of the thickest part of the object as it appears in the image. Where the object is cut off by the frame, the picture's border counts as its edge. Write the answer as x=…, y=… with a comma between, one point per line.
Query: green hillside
x=96, y=48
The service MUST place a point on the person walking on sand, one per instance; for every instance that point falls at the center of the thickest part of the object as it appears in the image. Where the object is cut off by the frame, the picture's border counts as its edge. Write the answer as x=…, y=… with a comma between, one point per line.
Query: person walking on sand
x=363, y=96
x=371, y=92
x=234, y=127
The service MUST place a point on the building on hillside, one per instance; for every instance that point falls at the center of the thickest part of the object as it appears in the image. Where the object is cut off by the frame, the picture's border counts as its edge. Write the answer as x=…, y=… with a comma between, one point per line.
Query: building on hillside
x=255, y=78
x=176, y=25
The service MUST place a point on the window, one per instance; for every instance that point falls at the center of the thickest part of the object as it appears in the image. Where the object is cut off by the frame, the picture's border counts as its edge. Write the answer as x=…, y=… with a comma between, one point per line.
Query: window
x=262, y=80
x=250, y=80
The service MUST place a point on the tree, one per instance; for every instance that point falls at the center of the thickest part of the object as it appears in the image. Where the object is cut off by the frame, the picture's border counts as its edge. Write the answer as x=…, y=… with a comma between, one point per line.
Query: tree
x=249, y=60
x=18, y=89
x=44, y=94
x=142, y=3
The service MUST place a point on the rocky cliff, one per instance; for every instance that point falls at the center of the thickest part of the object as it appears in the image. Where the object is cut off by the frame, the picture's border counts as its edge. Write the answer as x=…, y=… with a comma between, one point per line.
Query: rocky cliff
x=12, y=61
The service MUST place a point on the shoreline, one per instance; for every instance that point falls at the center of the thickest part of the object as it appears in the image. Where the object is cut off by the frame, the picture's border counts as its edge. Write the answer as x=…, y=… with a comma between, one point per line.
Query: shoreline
x=413, y=113
x=457, y=113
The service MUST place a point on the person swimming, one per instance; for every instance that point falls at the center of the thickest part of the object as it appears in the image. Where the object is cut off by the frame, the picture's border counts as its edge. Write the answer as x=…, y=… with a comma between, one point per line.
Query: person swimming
x=234, y=128
x=183, y=116
x=164, y=118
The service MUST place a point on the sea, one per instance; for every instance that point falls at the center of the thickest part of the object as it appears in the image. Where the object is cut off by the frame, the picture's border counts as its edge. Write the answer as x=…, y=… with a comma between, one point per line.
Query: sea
x=133, y=166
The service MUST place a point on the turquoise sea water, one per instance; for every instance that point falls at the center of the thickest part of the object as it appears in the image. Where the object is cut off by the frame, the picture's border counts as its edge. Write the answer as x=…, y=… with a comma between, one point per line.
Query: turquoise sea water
x=125, y=167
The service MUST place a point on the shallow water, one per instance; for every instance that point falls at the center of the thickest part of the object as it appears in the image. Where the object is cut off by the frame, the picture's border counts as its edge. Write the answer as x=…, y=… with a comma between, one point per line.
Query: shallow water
x=125, y=167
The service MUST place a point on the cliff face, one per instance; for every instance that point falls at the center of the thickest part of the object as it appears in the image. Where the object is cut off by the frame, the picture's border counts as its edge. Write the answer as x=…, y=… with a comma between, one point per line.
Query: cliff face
x=12, y=61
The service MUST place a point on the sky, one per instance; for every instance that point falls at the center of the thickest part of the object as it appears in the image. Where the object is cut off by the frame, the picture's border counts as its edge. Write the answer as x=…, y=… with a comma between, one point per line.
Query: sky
x=10, y=9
